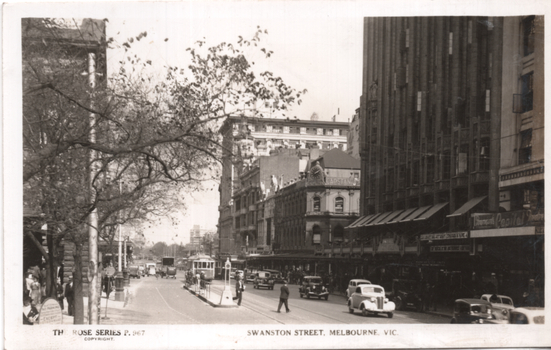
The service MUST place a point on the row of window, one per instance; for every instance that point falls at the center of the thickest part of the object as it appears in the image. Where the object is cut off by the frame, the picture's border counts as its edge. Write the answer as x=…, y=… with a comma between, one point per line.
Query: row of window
x=290, y=129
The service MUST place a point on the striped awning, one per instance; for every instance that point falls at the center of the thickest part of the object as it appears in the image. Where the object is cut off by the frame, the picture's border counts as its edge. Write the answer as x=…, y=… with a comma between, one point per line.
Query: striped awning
x=433, y=210
x=467, y=206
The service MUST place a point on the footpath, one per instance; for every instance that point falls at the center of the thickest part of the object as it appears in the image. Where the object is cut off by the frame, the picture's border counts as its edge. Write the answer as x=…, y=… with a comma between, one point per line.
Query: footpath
x=111, y=312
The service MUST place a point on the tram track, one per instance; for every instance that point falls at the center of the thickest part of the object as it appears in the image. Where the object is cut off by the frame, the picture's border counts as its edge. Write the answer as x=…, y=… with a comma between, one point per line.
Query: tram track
x=258, y=305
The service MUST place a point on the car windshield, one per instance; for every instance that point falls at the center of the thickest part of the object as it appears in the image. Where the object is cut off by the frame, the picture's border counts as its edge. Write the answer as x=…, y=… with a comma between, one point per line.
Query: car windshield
x=372, y=290
x=314, y=280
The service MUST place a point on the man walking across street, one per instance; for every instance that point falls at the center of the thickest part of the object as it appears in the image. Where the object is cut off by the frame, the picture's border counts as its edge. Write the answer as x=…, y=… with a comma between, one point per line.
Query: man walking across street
x=283, y=297
x=239, y=288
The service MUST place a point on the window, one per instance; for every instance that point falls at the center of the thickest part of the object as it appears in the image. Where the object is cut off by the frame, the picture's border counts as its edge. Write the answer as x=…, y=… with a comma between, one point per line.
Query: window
x=317, y=204
x=316, y=234
x=419, y=100
x=336, y=132
x=527, y=92
x=339, y=205
x=528, y=35
x=450, y=44
x=485, y=154
x=319, y=131
x=487, y=101
x=525, y=151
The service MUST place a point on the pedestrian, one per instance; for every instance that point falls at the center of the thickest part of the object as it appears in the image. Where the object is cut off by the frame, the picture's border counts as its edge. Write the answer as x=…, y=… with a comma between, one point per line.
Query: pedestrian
x=59, y=293
x=70, y=296
x=283, y=297
x=239, y=288
x=36, y=293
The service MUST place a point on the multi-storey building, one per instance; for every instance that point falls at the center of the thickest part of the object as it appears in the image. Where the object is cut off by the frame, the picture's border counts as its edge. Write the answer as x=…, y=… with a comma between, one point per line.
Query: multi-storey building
x=202, y=239
x=353, y=139
x=309, y=214
x=245, y=139
x=451, y=122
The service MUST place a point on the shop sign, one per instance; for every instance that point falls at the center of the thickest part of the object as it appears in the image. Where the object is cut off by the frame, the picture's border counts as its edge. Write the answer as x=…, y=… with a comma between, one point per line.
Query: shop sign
x=507, y=219
x=450, y=248
x=50, y=312
x=444, y=235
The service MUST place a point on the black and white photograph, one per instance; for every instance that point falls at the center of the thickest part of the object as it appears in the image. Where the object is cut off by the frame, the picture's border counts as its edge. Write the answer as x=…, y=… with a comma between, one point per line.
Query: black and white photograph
x=274, y=174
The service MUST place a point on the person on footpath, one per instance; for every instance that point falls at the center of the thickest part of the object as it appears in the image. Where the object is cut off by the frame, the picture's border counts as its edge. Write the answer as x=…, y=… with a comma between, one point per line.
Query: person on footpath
x=30, y=313
x=283, y=297
x=239, y=288
x=70, y=296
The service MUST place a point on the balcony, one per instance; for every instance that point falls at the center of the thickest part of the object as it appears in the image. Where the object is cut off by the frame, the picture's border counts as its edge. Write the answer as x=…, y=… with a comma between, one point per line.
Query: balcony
x=443, y=185
x=460, y=181
x=330, y=213
x=480, y=177
x=243, y=211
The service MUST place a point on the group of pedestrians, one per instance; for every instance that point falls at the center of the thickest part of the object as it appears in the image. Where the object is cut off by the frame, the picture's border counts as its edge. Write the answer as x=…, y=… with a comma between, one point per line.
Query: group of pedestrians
x=283, y=295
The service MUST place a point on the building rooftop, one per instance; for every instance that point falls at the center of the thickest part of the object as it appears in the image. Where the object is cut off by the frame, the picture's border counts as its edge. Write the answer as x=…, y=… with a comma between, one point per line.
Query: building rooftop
x=338, y=159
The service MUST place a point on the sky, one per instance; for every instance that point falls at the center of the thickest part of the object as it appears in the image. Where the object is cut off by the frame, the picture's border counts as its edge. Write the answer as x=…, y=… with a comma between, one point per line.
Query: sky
x=314, y=51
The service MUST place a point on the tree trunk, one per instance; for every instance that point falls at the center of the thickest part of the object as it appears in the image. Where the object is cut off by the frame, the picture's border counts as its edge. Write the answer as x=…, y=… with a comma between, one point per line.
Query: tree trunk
x=51, y=290
x=77, y=285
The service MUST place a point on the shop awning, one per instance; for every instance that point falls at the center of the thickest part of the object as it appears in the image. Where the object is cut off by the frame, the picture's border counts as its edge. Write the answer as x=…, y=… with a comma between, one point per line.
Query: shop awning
x=370, y=220
x=433, y=210
x=360, y=221
x=467, y=206
x=390, y=217
x=404, y=214
x=416, y=213
x=379, y=218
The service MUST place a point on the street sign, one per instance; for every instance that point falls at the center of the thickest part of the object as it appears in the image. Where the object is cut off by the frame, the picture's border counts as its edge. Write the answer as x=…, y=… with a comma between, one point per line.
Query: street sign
x=50, y=312
x=110, y=271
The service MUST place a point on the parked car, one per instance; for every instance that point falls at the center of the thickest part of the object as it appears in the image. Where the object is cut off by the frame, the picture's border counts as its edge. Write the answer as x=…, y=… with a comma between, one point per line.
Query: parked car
x=151, y=269
x=501, y=306
x=471, y=311
x=370, y=298
x=404, y=294
x=353, y=284
x=527, y=315
x=312, y=286
x=263, y=279
x=134, y=271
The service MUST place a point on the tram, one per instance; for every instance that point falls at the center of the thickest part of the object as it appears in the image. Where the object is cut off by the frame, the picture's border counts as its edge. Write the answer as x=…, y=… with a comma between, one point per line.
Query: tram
x=198, y=264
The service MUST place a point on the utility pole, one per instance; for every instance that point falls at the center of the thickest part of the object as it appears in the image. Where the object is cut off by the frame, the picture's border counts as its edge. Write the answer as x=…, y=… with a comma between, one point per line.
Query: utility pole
x=93, y=290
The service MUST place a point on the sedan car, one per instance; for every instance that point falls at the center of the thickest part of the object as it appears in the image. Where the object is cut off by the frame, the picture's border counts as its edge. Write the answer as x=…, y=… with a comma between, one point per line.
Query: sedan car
x=263, y=279
x=527, y=315
x=501, y=306
x=471, y=311
x=353, y=284
x=312, y=286
x=250, y=278
x=370, y=298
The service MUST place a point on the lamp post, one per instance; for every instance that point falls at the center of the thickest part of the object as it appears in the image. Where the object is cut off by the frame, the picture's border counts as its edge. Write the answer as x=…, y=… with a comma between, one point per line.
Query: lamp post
x=119, y=277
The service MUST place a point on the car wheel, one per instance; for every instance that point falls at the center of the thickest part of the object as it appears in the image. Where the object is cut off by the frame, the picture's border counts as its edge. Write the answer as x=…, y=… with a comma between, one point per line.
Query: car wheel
x=390, y=314
x=364, y=311
x=350, y=309
x=399, y=303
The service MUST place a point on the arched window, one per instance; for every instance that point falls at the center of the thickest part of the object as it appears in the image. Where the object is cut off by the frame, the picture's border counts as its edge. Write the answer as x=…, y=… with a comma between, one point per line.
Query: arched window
x=339, y=205
x=316, y=234
x=317, y=204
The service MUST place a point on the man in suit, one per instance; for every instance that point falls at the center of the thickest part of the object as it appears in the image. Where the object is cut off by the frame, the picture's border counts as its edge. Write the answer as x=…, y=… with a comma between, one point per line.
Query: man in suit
x=283, y=297
x=239, y=288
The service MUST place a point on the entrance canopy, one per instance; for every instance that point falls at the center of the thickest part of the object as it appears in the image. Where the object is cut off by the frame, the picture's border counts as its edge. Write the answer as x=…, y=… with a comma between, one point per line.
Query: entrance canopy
x=467, y=206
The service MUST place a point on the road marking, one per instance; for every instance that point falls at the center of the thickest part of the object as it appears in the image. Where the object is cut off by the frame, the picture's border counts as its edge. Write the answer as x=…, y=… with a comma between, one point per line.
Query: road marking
x=190, y=318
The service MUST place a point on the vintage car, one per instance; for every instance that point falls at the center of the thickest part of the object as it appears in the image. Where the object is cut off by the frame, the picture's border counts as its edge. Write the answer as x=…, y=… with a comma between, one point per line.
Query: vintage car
x=134, y=271
x=501, y=306
x=276, y=275
x=312, y=286
x=527, y=315
x=370, y=298
x=250, y=278
x=353, y=284
x=151, y=269
x=263, y=279
x=471, y=311
x=404, y=294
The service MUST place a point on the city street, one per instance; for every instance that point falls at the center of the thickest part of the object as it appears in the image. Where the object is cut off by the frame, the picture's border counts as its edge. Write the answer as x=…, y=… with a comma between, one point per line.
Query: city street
x=164, y=301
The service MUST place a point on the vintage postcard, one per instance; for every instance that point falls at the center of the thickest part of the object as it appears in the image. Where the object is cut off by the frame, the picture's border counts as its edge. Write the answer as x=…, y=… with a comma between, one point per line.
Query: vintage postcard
x=274, y=174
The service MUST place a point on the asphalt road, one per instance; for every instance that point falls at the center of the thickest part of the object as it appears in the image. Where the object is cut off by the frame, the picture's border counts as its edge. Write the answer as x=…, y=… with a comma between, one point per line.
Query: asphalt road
x=164, y=301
